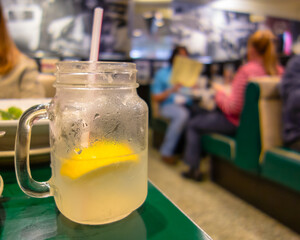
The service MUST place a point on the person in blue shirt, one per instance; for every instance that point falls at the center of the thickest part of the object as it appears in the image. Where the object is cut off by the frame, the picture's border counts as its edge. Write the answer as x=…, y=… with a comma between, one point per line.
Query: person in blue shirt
x=172, y=105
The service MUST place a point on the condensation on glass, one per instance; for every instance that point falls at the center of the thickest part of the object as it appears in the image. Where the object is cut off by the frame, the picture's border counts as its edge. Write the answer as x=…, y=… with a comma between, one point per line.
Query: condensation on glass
x=98, y=140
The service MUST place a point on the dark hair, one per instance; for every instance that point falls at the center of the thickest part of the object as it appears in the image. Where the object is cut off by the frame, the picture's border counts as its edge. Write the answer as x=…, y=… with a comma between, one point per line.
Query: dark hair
x=176, y=52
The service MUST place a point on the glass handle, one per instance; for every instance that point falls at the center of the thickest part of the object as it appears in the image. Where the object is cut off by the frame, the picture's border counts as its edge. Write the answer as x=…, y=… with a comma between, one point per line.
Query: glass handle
x=22, y=146
x=2, y=133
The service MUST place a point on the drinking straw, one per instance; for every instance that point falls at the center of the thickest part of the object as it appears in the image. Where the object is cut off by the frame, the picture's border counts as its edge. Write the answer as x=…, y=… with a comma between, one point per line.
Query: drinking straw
x=96, y=34
x=94, y=55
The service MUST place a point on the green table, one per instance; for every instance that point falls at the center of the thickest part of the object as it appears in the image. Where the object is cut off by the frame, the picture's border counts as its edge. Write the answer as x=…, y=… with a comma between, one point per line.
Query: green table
x=23, y=217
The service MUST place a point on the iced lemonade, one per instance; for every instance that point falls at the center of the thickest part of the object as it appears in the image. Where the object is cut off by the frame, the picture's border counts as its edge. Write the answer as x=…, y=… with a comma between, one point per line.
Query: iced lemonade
x=101, y=183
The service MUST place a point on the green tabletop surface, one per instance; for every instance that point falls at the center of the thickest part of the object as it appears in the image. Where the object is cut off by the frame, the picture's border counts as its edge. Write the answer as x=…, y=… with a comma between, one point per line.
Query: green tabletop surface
x=23, y=217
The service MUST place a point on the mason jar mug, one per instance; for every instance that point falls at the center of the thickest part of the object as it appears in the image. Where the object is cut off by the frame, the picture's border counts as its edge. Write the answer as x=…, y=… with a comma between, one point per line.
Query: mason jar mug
x=98, y=141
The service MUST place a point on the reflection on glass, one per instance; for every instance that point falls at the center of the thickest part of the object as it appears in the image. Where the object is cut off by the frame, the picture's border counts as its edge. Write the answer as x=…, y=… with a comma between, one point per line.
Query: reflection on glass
x=132, y=227
x=52, y=224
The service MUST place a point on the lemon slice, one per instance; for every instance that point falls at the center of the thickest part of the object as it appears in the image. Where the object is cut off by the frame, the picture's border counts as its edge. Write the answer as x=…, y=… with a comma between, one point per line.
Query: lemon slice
x=99, y=155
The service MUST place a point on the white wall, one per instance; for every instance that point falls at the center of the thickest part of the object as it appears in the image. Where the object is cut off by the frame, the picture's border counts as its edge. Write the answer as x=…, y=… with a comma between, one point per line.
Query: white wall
x=288, y=9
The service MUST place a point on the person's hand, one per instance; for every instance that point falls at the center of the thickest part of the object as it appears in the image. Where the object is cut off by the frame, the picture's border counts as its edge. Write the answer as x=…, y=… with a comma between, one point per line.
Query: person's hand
x=164, y=95
x=218, y=87
x=176, y=87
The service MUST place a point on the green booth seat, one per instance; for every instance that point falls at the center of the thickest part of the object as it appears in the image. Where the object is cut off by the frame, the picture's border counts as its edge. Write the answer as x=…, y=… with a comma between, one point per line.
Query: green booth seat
x=244, y=149
x=282, y=165
x=220, y=145
x=262, y=173
x=248, y=147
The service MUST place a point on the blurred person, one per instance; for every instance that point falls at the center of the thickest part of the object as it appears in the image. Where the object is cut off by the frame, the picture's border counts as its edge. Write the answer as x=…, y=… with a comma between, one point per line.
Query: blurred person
x=262, y=61
x=18, y=73
x=290, y=94
x=171, y=106
x=228, y=73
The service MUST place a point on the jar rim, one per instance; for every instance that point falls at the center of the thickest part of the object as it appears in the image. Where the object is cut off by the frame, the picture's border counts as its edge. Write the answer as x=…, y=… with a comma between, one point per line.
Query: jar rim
x=89, y=74
x=94, y=66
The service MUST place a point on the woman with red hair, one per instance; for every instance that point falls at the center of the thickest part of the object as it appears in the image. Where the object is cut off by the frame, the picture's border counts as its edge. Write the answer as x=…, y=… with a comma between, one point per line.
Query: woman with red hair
x=262, y=61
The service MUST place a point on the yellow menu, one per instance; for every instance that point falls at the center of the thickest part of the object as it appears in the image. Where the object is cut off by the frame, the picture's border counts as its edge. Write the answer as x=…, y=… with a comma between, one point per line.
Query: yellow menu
x=185, y=71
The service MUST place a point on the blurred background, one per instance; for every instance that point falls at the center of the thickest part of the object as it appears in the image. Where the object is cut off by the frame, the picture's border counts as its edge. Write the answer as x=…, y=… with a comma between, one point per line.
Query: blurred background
x=215, y=33
x=146, y=30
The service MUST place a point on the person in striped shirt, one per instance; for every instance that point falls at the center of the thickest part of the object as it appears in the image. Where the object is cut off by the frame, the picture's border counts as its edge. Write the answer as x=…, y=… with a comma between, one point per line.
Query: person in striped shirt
x=262, y=61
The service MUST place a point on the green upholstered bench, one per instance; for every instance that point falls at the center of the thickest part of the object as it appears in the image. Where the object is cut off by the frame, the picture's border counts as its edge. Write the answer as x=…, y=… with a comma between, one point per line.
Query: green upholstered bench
x=220, y=145
x=278, y=164
x=282, y=165
x=275, y=185
x=244, y=149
